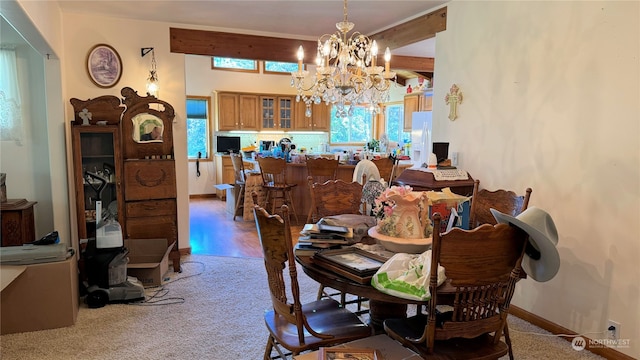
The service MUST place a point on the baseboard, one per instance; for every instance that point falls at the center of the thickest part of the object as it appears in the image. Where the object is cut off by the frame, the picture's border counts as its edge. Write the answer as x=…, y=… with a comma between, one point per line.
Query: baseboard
x=185, y=251
x=554, y=328
x=202, y=196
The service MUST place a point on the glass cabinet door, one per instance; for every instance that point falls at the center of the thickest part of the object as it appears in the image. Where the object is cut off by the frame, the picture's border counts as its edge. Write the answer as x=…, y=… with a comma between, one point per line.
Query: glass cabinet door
x=97, y=177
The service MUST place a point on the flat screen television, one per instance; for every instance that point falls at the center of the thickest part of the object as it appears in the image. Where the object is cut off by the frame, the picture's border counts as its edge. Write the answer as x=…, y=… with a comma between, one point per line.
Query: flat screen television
x=228, y=144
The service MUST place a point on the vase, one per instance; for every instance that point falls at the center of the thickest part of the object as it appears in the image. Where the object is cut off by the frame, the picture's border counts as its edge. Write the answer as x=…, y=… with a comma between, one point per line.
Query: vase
x=405, y=217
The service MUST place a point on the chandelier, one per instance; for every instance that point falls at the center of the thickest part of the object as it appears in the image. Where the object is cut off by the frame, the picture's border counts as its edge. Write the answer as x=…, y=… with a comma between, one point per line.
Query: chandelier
x=346, y=72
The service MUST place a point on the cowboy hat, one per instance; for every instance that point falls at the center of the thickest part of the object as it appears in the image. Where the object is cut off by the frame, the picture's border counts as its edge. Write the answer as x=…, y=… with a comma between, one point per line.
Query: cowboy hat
x=542, y=259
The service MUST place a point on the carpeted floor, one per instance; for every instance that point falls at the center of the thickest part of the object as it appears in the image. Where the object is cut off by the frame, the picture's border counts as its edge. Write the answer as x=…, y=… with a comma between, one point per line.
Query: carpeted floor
x=212, y=310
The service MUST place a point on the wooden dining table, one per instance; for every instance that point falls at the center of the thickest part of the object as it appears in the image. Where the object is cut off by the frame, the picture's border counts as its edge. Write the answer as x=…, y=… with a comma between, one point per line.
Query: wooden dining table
x=381, y=306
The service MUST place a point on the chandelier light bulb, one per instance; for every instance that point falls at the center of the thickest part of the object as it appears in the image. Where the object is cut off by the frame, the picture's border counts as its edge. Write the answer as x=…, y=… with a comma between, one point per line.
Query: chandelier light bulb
x=346, y=72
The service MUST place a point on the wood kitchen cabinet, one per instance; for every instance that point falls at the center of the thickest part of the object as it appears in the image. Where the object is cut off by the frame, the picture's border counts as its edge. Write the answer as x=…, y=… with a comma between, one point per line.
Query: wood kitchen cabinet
x=417, y=101
x=238, y=111
x=276, y=112
x=224, y=173
x=319, y=120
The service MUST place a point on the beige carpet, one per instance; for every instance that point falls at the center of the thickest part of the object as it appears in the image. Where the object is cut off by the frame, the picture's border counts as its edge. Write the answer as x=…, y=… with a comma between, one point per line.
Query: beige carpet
x=212, y=310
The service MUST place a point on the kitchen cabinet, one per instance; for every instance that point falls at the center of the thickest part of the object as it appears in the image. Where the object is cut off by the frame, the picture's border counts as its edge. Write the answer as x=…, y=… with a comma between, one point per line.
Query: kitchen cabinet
x=417, y=101
x=276, y=112
x=238, y=111
x=319, y=120
x=228, y=111
x=224, y=173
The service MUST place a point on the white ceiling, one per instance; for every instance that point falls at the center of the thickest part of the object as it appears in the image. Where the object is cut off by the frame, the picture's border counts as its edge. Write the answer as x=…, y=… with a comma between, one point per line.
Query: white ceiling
x=306, y=19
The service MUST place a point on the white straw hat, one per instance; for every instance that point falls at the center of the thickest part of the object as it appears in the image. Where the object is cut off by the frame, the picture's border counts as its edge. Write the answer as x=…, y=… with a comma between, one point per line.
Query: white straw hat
x=543, y=261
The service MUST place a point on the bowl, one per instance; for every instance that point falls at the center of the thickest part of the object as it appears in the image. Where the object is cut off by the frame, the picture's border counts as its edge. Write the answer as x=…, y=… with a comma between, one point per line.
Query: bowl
x=403, y=245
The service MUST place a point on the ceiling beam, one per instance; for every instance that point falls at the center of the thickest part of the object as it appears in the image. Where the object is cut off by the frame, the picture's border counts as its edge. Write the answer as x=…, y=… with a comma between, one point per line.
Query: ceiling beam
x=223, y=44
x=412, y=31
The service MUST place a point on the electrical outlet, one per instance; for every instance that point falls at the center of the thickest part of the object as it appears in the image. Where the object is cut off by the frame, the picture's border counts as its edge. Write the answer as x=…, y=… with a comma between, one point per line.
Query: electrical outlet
x=615, y=333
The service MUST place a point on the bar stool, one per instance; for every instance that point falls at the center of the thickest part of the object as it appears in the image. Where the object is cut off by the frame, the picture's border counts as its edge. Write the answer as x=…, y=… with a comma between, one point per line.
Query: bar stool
x=386, y=167
x=274, y=182
x=320, y=170
x=238, y=170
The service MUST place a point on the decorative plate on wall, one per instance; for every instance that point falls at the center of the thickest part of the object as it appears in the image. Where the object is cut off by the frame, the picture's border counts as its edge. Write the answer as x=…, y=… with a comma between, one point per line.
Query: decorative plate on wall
x=104, y=66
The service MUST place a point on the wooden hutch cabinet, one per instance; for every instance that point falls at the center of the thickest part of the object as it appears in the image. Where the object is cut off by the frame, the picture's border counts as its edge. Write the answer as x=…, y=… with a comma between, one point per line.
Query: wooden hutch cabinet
x=138, y=144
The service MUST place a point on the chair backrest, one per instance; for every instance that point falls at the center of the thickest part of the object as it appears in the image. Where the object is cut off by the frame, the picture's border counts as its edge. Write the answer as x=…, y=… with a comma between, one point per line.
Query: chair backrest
x=334, y=197
x=322, y=169
x=482, y=267
x=273, y=170
x=385, y=167
x=238, y=168
x=505, y=201
x=274, y=233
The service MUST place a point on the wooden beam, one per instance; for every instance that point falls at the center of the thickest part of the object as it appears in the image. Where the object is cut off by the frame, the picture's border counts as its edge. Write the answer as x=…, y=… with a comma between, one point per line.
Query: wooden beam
x=222, y=44
x=215, y=43
x=412, y=63
x=412, y=31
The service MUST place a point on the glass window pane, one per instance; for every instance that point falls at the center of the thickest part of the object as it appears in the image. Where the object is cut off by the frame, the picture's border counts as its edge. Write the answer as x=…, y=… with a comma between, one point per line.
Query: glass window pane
x=233, y=63
x=198, y=137
x=280, y=67
x=394, y=127
x=356, y=128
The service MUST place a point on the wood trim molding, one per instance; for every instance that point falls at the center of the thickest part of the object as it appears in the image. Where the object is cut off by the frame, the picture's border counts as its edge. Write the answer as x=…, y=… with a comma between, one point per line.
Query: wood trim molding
x=185, y=251
x=554, y=328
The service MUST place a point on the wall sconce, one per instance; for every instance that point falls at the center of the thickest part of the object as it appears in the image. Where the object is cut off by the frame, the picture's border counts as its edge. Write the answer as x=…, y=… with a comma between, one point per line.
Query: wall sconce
x=152, y=80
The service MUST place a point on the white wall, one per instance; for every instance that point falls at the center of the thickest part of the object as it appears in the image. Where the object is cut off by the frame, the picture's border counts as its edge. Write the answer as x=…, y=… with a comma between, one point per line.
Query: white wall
x=127, y=37
x=551, y=102
x=34, y=170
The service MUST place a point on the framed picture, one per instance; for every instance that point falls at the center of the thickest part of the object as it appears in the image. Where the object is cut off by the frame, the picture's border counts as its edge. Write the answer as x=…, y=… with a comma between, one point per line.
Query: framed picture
x=353, y=263
x=347, y=353
x=104, y=66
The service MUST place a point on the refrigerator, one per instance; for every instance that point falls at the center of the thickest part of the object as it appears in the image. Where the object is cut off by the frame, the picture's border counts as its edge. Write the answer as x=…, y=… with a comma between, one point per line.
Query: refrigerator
x=421, y=124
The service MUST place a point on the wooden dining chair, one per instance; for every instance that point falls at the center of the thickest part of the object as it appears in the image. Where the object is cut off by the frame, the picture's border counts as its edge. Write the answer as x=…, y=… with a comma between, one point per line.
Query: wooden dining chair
x=240, y=182
x=320, y=170
x=505, y=201
x=292, y=325
x=275, y=184
x=482, y=267
x=335, y=197
x=386, y=168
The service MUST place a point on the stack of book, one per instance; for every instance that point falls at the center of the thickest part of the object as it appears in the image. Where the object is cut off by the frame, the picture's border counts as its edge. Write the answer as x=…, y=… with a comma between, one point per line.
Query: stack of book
x=316, y=237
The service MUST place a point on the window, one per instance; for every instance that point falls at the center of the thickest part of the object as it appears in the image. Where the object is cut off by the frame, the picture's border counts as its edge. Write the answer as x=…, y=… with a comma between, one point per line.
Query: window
x=394, y=124
x=225, y=63
x=279, y=67
x=198, y=127
x=357, y=128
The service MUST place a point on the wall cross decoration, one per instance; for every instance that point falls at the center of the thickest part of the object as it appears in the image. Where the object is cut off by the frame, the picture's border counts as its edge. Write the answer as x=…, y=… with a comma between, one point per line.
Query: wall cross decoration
x=453, y=98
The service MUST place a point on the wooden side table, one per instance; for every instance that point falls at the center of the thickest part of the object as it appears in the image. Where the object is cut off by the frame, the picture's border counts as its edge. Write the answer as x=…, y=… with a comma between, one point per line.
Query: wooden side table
x=18, y=223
